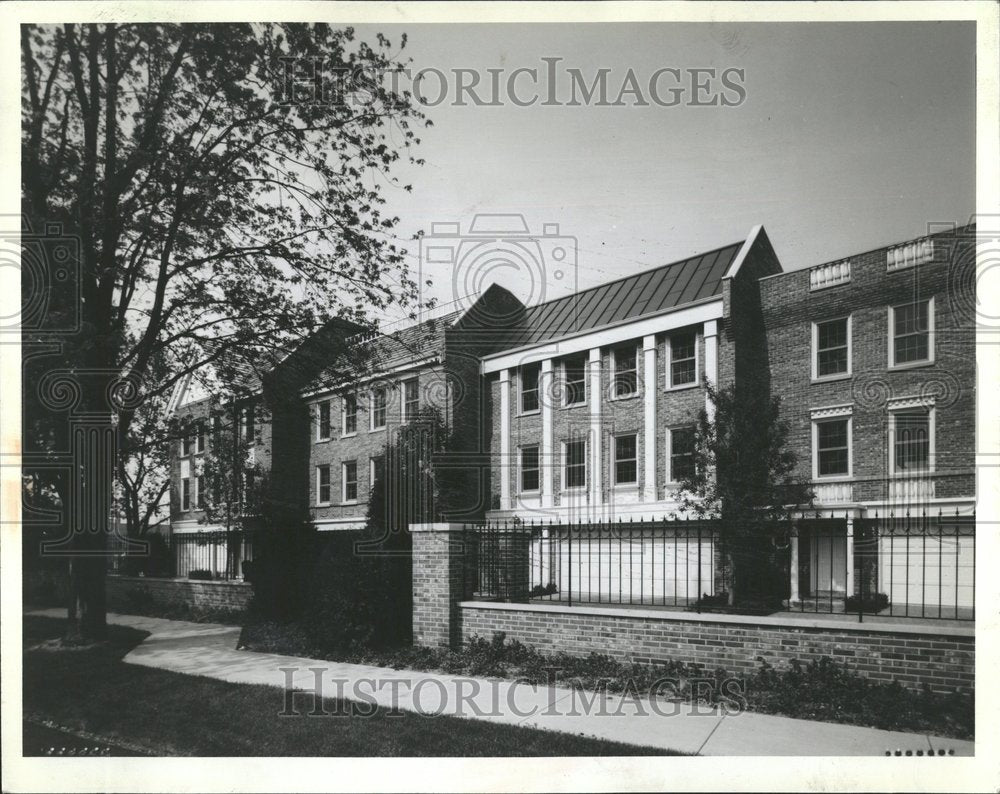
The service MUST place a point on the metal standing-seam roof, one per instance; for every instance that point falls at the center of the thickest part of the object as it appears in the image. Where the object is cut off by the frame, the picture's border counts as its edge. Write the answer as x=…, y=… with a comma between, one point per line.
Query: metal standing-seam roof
x=651, y=291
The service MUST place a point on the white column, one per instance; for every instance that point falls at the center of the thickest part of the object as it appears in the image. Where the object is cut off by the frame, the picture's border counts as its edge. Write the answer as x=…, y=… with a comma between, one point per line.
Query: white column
x=710, y=333
x=850, y=556
x=596, y=489
x=505, y=461
x=793, y=567
x=649, y=389
x=547, y=458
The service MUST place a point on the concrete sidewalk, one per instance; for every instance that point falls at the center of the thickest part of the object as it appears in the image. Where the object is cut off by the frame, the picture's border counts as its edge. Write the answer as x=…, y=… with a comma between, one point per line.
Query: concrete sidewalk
x=209, y=650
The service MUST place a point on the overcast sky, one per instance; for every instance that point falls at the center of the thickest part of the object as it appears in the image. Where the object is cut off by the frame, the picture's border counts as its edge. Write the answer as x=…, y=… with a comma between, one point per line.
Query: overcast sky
x=851, y=136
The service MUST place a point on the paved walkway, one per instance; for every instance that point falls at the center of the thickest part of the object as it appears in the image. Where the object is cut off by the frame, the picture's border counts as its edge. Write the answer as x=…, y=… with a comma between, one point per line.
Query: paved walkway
x=209, y=649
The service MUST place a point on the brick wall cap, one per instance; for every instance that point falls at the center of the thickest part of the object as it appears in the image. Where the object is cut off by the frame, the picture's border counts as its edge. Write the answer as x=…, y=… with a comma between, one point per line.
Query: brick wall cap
x=437, y=527
x=712, y=617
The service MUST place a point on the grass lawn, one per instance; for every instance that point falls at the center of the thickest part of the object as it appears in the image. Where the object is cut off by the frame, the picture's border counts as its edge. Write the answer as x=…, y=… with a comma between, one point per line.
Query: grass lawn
x=92, y=690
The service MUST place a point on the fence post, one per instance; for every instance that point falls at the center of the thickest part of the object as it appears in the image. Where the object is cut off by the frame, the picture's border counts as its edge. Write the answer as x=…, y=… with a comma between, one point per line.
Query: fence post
x=439, y=562
x=569, y=562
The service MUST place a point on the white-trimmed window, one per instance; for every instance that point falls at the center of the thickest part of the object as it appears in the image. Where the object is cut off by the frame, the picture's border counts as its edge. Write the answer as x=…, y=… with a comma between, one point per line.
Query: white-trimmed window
x=323, y=421
x=187, y=445
x=831, y=346
x=350, y=415
x=680, y=453
x=199, y=444
x=626, y=451
x=575, y=380
x=529, y=473
x=376, y=469
x=832, y=442
x=349, y=478
x=682, y=360
x=911, y=437
x=323, y=485
x=575, y=463
x=247, y=430
x=380, y=399
x=624, y=370
x=185, y=493
x=529, y=374
x=411, y=399
x=911, y=333
x=199, y=492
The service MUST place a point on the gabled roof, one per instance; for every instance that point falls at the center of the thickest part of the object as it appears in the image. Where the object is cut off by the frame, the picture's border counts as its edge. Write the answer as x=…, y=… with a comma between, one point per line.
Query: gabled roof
x=651, y=291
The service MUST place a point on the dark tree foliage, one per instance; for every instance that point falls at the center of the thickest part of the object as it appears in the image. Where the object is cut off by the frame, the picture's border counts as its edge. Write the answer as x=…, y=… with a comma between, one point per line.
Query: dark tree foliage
x=745, y=477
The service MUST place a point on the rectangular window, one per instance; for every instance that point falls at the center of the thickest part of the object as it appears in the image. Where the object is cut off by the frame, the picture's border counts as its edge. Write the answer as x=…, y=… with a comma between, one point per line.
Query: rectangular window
x=625, y=460
x=626, y=381
x=247, y=423
x=529, y=387
x=187, y=444
x=833, y=448
x=910, y=333
x=200, y=438
x=323, y=424
x=350, y=414
x=411, y=399
x=681, y=453
x=832, y=348
x=186, y=493
x=350, y=474
x=217, y=490
x=376, y=470
x=575, y=465
x=912, y=440
x=575, y=376
x=683, y=363
x=529, y=468
x=379, y=401
x=323, y=485
x=200, y=491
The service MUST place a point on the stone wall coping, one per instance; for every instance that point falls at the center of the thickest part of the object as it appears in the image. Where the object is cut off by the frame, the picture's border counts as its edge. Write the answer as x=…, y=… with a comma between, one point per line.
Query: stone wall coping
x=714, y=617
x=176, y=579
x=442, y=526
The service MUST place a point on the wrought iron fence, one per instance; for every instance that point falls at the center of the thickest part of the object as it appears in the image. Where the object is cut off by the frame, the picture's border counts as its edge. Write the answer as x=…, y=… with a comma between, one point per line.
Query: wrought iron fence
x=919, y=566
x=195, y=555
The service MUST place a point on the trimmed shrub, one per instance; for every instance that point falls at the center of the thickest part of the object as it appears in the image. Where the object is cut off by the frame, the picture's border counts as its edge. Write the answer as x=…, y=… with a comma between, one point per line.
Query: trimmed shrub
x=872, y=602
x=200, y=573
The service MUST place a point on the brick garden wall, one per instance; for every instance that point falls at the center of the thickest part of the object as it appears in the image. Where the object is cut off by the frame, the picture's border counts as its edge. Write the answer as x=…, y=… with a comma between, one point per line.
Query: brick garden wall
x=945, y=661
x=234, y=596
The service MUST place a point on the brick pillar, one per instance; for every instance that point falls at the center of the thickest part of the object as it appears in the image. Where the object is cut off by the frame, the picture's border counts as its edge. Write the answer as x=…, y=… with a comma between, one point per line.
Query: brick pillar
x=441, y=556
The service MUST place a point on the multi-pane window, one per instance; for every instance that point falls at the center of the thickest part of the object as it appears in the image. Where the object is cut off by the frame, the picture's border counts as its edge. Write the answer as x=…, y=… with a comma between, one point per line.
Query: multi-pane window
x=411, y=399
x=529, y=468
x=350, y=474
x=529, y=387
x=376, y=470
x=625, y=374
x=575, y=378
x=575, y=471
x=187, y=444
x=912, y=440
x=625, y=460
x=350, y=414
x=247, y=423
x=683, y=366
x=186, y=493
x=199, y=484
x=681, y=453
x=323, y=429
x=323, y=484
x=911, y=333
x=832, y=348
x=200, y=438
x=379, y=402
x=832, y=448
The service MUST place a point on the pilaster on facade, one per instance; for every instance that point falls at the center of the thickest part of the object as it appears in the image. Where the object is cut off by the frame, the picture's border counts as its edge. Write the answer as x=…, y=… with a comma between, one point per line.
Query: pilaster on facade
x=548, y=461
x=711, y=333
x=649, y=389
x=506, y=503
x=596, y=467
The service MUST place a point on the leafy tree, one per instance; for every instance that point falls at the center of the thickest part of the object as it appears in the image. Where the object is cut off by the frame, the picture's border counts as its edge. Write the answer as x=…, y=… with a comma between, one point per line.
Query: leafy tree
x=745, y=477
x=217, y=216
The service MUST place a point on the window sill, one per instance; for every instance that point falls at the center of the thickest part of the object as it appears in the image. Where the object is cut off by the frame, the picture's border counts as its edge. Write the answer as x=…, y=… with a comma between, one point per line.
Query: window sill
x=349, y=435
x=323, y=504
x=927, y=362
x=832, y=479
x=624, y=397
x=683, y=386
x=529, y=493
x=627, y=486
x=322, y=440
x=582, y=404
x=535, y=412
x=348, y=502
x=831, y=378
x=574, y=489
x=377, y=429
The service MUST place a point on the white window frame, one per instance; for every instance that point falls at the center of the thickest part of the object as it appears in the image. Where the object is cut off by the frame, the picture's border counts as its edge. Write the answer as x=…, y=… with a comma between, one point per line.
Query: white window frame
x=372, y=427
x=671, y=386
x=669, y=449
x=343, y=482
x=614, y=375
x=407, y=416
x=343, y=416
x=200, y=439
x=614, y=461
x=186, y=502
x=520, y=469
x=832, y=413
x=319, y=420
x=371, y=470
x=520, y=390
x=565, y=465
x=903, y=405
x=319, y=491
x=930, y=337
x=198, y=477
x=565, y=362
x=814, y=357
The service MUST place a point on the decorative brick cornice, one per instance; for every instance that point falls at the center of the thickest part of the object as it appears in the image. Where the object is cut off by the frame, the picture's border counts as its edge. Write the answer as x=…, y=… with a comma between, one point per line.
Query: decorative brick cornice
x=830, y=411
